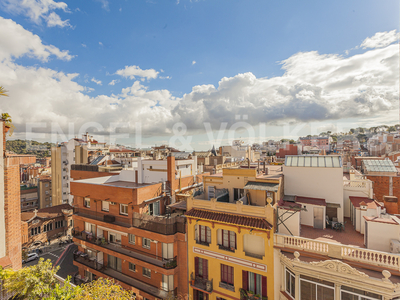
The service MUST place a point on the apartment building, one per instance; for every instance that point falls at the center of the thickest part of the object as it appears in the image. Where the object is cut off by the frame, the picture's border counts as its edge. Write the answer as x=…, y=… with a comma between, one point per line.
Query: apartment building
x=75, y=151
x=320, y=142
x=29, y=198
x=124, y=231
x=314, y=258
x=45, y=191
x=230, y=236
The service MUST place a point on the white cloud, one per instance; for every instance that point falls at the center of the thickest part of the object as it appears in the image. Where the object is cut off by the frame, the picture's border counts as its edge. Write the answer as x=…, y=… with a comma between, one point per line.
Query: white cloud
x=193, y=62
x=98, y=82
x=314, y=87
x=380, y=39
x=38, y=10
x=84, y=45
x=100, y=43
x=104, y=4
x=113, y=82
x=135, y=71
x=15, y=42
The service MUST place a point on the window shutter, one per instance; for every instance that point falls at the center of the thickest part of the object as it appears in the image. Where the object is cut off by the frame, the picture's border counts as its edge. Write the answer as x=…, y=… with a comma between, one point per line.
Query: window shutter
x=264, y=286
x=208, y=235
x=245, y=280
x=205, y=269
x=196, y=266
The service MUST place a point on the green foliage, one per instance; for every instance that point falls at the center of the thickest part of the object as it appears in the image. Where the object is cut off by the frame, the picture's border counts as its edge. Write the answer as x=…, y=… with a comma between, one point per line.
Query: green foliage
x=20, y=147
x=62, y=292
x=103, y=288
x=32, y=282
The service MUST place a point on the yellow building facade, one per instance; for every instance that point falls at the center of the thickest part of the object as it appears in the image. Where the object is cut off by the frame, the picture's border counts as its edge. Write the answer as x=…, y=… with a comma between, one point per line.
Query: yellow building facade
x=230, y=241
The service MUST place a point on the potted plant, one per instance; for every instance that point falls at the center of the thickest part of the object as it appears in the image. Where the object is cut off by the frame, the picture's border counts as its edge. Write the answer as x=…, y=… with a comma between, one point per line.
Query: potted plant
x=257, y=296
x=8, y=122
x=250, y=293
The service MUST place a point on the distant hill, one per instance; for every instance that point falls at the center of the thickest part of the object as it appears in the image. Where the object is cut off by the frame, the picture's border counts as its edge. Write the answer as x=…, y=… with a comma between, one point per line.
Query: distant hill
x=35, y=148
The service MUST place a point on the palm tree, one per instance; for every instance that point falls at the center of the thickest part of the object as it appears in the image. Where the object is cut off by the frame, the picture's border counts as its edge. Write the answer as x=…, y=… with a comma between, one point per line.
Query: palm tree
x=3, y=92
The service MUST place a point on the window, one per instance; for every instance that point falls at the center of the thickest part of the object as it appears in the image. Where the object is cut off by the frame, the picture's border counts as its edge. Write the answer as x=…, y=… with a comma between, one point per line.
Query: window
x=90, y=228
x=290, y=283
x=201, y=267
x=348, y=293
x=123, y=209
x=46, y=185
x=47, y=192
x=132, y=267
x=228, y=239
x=114, y=238
x=167, y=283
x=227, y=274
x=132, y=239
x=114, y=263
x=44, y=228
x=237, y=194
x=255, y=283
x=86, y=202
x=154, y=208
x=203, y=234
x=146, y=272
x=146, y=243
x=105, y=205
x=313, y=289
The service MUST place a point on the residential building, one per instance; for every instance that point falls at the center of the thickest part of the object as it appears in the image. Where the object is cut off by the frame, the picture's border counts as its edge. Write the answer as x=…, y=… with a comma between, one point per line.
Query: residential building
x=10, y=207
x=46, y=224
x=320, y=255
x=230, y=249
x=45, y=191
x=124, y=231
x=75, y=151
x=288, y=149
x=320, y=142
x=29, y=198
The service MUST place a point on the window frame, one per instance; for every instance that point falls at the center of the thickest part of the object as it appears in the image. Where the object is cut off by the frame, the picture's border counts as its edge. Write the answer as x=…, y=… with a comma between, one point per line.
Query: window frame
x=130, y=240
x=121, y=211
x=292, y=276
x=144, y=245
x=146, y=272
x=227, y=274
x=86, y=202
x=107, y=209
x=132, y=269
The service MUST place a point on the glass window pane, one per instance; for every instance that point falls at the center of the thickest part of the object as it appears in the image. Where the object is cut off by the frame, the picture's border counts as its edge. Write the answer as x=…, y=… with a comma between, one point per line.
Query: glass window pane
x=307, y=290
x=328, y=162
x=294, y=161
x=288, y=161
x=300, y=162
x=347, y=296
x=325, y=293
x=321, y=162
x=314, y=161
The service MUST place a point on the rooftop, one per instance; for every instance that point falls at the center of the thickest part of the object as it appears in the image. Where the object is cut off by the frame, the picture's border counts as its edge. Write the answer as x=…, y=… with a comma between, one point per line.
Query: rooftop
x=229, y=218
x=379, y=166
x=315, y=161
x=46, y=213
x=371, y=203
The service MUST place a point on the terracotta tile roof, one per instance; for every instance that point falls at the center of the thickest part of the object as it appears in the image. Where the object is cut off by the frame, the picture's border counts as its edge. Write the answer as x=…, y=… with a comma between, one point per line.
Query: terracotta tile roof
x=46, y=213
x=356, y=201
x=289, y=204
x=229, y=218
x=380, y=220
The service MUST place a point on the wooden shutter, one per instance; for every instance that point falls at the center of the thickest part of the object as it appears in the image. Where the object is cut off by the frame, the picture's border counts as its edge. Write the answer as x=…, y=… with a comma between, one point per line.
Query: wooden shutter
x=205, y=269
x=245, y=280
x=264, y=286
x=196, y=266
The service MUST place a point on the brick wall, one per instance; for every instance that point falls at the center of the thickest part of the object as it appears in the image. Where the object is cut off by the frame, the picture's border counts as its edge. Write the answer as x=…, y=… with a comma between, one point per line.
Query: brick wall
x=381, y=186
x=12, y=210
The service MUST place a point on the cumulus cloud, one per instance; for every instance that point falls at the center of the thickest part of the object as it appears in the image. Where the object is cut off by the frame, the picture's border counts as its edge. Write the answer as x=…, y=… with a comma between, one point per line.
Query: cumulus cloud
x=113, y=82
x=135, y=71
x=38, y=11
x=15, y=42
x=380, y=39
x=98, y=82
x=104, y=4
x=193, y=62
x=314, y=87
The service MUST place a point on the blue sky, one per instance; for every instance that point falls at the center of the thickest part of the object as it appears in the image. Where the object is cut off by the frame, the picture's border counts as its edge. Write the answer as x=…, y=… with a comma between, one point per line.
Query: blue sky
x=200, y=61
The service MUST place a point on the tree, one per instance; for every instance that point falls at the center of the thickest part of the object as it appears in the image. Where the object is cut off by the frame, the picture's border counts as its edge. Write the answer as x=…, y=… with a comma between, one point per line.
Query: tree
x=32, y=282
x=62, y=292
x=3, y=92
x=103, y=288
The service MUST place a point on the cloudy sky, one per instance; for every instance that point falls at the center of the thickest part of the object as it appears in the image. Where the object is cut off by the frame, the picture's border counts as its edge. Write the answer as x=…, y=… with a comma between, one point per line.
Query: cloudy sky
x=197, y=73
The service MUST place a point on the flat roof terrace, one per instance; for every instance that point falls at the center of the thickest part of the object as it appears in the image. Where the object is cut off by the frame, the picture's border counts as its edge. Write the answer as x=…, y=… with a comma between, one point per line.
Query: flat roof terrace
x=113, y=181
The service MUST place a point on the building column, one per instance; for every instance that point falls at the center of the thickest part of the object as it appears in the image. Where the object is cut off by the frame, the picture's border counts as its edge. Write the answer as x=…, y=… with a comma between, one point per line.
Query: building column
x=337, y=291
x=283, y=282
x=297, y=287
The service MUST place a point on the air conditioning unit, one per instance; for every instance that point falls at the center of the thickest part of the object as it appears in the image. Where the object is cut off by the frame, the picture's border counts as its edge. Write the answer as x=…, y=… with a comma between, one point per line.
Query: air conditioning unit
x=112, y=203
x=394, y=246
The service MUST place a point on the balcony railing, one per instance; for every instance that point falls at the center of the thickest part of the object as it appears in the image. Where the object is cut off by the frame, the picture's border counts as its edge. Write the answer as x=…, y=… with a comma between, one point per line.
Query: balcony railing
x=119, y=276
x=201, y=284
x=227, y=286
x=339, y=251
x=230, y=249
x=159, y=224
x=202, y=243
x=102, y=216
x=156, y=260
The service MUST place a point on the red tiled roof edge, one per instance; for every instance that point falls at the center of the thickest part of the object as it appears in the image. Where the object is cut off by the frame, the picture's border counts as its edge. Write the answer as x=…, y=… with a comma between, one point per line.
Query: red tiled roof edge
x=229, y=218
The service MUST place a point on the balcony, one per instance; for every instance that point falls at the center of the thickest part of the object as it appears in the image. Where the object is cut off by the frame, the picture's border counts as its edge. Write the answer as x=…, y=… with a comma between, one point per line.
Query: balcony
x=119, y=276
x=227, y=286
x=128, y=251
x=201, y=284
x=99, y=216
x=339, y=251
x=159, y=224
x=202, y=243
